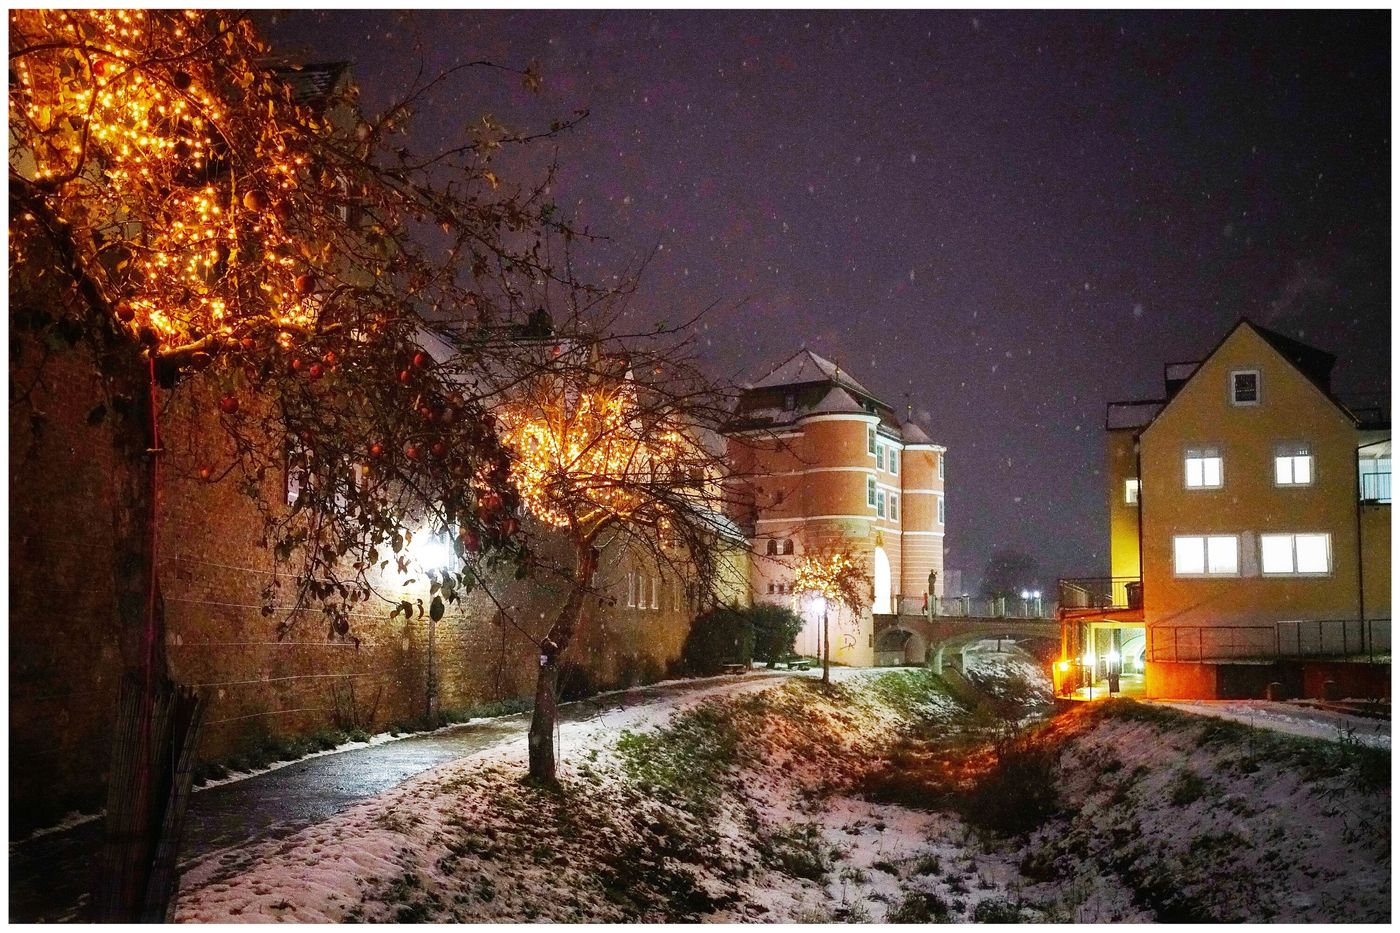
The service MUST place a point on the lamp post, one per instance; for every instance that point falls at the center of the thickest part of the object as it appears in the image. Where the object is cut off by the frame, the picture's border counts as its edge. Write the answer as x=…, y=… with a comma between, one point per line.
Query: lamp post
x=1035, y=594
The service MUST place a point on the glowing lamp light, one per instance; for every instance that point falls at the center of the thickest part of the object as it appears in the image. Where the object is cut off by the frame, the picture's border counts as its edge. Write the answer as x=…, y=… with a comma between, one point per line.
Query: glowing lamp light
x=1035, y=594
x=1089, y=659
x=1112, y=657
x=1064, y=665
x=1025, y=594
x=429, y=550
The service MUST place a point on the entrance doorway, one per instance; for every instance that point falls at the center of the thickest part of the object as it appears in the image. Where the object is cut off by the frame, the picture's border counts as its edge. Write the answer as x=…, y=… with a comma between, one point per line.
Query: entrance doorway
x=1113, y=660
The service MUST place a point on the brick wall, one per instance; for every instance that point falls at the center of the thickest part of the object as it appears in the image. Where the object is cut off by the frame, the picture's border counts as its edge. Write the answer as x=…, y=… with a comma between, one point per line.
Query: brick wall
x=64, y=665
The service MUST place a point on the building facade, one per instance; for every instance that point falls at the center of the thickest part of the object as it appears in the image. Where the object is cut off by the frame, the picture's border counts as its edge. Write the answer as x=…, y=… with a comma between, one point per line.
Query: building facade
x=1249, y=530
x=822, y=464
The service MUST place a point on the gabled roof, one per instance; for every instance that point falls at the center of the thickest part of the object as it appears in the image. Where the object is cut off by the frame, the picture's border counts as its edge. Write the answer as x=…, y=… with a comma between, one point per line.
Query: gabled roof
x=1313, y=364
x=805, y=366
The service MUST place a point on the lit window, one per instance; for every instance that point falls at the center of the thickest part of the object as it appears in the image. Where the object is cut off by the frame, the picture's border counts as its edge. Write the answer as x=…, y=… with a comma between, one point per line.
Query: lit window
x=894, y=507
x=880, y=503
x=1130, y=491
x=941, y=458
x=870, y=490
x=656, y=592
x=1244, y=387
x=631, y=591
x=1293, y=554
x=1204, y=468
x=1293, y=465
x=940, y=511
x=879, y=456
x=894, y=461
x=1206, y=555
x=870, y=440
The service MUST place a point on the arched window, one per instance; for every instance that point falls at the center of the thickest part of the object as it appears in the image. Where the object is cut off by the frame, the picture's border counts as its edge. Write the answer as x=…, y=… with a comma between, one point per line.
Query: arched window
x=787, y=546
x=772, y=547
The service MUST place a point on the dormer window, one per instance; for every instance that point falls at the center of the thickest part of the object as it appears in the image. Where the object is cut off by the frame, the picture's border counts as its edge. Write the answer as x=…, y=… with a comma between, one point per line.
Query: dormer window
x=1244, y=387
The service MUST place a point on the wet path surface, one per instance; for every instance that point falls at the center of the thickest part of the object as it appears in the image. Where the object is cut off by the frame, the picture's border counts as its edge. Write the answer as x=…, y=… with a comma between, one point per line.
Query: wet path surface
x=50, y=875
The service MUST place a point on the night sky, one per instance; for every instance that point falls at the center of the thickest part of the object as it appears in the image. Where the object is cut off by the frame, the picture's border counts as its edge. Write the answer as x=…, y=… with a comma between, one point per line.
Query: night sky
x=1006, y=220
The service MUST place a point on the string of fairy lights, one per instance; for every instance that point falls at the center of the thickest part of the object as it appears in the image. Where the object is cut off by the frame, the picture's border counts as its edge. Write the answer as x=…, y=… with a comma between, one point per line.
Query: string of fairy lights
x=584, y=457
x=127, y=125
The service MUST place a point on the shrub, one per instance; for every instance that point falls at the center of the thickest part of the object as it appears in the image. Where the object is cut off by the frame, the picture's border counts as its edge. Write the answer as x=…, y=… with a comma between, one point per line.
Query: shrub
x=1188, y=788
x=1018, y=794
x=775, y=630
x=719, y=636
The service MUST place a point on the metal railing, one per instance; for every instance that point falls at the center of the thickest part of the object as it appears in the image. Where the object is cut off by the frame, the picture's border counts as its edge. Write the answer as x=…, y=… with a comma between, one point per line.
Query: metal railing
x=978, y=607
x=1375, y=487
x=1101, y=593
x=1311, y=638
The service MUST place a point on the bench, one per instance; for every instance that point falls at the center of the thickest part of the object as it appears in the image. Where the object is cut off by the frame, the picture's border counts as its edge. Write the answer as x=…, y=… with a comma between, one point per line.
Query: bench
x=734, y=667
x=795, y=663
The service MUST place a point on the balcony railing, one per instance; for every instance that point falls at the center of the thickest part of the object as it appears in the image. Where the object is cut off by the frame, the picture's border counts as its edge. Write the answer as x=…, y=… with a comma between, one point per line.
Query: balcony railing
x=1312, y=638
x=1101, y=593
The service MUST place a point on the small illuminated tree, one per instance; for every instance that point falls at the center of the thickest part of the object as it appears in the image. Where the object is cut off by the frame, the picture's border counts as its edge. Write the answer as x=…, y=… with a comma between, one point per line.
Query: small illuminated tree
x=609, y=450
x=834, y=577
x=202, y=232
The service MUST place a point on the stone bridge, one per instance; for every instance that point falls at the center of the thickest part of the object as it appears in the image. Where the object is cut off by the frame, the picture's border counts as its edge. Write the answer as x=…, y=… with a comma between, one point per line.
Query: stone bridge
x=915, y=639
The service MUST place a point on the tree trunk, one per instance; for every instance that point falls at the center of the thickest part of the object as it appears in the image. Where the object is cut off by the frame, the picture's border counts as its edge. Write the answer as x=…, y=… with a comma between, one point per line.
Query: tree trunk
x=546, y=712
x=826, y=646
x=153, y=725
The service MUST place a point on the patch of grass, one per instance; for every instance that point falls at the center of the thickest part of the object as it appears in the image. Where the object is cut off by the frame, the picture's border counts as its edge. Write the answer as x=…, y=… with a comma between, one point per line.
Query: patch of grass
x=1187, y=788
x=997, y=910
x=919, y=907
x=684, y=760
x=800, y=851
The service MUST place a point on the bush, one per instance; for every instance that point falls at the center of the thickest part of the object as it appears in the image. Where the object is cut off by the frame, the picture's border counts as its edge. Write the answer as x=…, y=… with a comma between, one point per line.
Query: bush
x=919, y=907
x=1018, y=794
x=729, y=634
x=996, y=910
x=775, y=630
x=722, y=635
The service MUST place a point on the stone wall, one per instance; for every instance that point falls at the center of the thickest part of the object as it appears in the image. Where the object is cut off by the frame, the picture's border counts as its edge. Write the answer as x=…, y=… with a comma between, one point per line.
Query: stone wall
x=64, y=664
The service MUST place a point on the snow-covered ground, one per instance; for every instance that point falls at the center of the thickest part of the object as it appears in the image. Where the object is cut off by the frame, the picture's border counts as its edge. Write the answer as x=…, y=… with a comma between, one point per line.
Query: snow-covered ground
x=754, y=800
x=1291, y=719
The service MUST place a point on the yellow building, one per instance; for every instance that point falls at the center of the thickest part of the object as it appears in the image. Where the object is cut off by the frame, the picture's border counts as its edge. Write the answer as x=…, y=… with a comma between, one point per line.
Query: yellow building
x=824, y=464
x=1249, y=528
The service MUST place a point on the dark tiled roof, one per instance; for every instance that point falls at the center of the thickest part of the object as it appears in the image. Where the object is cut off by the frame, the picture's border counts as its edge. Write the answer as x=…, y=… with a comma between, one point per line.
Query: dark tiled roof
x=311, y=83
x=1310, y=361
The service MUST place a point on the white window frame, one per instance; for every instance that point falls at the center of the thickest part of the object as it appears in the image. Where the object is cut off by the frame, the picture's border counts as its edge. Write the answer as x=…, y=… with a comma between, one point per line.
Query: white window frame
x=893, y=458
x=1201, y=454
x=879, y=456
x=870, y=440
x=656, y=592
x=880, y=503
x=1288, y=456
x=631, y=591
x=1292, y=538
x=1132, y=490
x=1258, y=387
x=942, y=513
x=1206, y=563
x=941, y=458
x=870, y=491
x=893, y=503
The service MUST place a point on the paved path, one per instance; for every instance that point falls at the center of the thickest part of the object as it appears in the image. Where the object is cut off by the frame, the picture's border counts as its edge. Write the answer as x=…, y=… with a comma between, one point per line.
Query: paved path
x=1290, y=719
x=50, y=875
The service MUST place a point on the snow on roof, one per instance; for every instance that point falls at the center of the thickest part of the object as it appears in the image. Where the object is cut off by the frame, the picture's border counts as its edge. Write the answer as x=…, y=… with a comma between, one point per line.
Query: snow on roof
x=837, y=401
x=913, y=434
x=806, y=366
